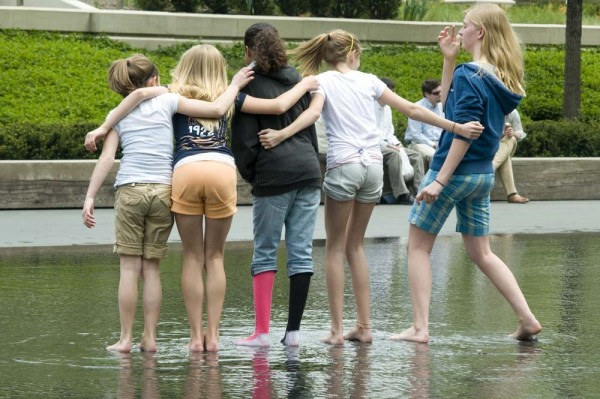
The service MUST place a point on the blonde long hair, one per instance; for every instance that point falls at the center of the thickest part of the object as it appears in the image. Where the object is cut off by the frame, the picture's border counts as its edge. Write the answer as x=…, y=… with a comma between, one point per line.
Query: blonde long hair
x=201, y=73
x=500, y=45
x=331, y=48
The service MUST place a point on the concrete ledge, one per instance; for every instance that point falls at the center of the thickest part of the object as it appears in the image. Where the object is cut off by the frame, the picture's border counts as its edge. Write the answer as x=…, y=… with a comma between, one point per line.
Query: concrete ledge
x=63, y=184
x=552, y=179
x=151, y=29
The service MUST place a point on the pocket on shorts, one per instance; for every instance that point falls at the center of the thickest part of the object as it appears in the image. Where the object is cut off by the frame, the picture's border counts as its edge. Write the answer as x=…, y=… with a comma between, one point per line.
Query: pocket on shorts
x=164, y=195
x=128, y=199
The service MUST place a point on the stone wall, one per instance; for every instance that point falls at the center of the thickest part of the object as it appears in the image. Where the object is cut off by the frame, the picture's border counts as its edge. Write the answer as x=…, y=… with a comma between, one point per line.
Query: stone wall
x=63, y=184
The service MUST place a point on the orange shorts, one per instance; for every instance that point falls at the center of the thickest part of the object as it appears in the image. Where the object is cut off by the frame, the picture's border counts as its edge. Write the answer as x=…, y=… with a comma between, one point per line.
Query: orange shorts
x=205, y=188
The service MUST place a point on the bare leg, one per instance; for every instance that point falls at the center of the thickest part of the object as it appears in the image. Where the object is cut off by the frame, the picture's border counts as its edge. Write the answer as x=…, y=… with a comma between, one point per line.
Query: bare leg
x=152, y=298
x=359, y=270
x=190, y=231
x=336, y=219
x=214, y=248
x=131, y=267
x=420, y=244
x=501, y=276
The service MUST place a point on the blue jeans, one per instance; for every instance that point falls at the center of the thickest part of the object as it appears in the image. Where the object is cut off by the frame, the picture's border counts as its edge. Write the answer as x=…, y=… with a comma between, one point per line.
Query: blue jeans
x=297, y=211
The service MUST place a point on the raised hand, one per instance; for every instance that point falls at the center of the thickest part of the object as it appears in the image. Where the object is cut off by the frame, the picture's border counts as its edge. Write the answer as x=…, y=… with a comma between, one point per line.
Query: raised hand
x=449, y=42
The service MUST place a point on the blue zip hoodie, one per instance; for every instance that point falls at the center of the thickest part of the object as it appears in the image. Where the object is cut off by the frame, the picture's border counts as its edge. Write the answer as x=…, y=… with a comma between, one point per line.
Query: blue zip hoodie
x=476, y=94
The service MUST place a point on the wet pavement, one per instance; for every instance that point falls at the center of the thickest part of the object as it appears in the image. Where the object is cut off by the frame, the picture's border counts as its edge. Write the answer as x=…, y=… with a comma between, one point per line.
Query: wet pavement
x=63, y=227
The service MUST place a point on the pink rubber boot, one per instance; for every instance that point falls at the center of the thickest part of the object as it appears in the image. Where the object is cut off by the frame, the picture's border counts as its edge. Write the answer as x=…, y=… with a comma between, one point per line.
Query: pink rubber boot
x=262, y=286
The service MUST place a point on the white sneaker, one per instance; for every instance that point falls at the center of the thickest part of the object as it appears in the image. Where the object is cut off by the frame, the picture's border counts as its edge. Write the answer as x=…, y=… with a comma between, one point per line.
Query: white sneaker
x=291, y=338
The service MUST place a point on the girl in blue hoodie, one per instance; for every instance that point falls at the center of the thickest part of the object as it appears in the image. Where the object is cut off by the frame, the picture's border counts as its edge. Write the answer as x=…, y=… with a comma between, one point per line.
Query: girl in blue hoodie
x=461, y=174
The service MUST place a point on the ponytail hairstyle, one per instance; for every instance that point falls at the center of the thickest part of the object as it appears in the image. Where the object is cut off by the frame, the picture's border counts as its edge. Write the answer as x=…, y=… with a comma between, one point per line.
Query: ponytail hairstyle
x=500, y=45
x=266, y=47
x=331, y=48
x=126, y=75
x=201, y=74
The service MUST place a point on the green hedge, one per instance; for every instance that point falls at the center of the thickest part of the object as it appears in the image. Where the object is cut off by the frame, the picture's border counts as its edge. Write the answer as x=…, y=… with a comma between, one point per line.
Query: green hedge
x=46, y=141
x=54, y=90
x=560, y=139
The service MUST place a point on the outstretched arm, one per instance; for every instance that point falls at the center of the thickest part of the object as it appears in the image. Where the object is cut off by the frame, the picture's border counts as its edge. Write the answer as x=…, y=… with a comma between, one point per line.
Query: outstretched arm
x=103, y=166
x=470, y=130
x=125, y=107
x=219, y=107
x=457, y=151
x=281, y=104
x=270, y=138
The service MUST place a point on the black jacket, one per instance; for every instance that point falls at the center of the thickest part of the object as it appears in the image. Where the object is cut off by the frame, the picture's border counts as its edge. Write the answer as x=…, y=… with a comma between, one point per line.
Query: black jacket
x=294, y=163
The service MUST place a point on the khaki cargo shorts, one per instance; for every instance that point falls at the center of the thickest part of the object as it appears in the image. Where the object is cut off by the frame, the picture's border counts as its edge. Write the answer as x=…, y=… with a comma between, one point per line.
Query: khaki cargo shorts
x=143, y=219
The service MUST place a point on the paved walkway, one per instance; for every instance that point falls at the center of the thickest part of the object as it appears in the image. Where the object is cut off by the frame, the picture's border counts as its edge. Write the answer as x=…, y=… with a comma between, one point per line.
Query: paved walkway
x=63, y=227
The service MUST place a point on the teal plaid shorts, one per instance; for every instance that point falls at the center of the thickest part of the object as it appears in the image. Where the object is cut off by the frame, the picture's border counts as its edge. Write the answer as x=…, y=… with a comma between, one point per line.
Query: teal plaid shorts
x=470, y=194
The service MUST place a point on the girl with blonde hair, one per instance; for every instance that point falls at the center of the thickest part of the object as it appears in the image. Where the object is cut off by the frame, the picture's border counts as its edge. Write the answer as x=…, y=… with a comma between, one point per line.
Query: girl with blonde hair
x=204, y=194
x=143, y=219
x=461, y=174
x=354, y=176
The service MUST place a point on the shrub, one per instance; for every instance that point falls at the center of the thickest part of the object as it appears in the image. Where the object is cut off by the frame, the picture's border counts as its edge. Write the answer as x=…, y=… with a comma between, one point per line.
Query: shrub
x=152, y=5
x=293, y=7
x=185, y=5
x=415, y=10
x=347, y=8
x=383, y=9
x=217, y=6
x=254, y=7
x=560, y=139
x=320, y=8
x=65, y=84
x=49, y=141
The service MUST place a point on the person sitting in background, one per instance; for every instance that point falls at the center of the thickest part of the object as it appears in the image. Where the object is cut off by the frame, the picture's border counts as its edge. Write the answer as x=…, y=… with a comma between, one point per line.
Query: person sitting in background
x=513, y=133
x=404, y=166
x=420, y=136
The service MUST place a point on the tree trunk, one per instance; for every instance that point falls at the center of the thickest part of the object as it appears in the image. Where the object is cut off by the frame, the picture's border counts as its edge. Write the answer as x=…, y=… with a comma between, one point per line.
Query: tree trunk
x=572, y=94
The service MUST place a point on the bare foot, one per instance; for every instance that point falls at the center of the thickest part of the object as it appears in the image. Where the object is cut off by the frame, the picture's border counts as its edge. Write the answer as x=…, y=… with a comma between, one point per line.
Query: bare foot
x=412, y=334
x=196, y=345
x=333, y=339
x=527, y=331
x=360, y=333
x=211, y=343
x=121, y=346
x=148, y=344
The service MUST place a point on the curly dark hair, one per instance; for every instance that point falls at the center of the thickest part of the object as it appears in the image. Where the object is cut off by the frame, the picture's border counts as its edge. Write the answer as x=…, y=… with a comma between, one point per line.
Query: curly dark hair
x=268, y=50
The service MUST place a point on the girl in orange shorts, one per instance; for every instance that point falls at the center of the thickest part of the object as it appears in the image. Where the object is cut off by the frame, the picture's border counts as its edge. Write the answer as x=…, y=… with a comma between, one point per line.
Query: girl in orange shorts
x=204, y=192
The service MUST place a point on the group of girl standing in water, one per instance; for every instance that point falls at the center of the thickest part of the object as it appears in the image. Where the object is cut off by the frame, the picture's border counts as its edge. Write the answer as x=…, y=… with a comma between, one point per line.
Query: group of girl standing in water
x=278, y=156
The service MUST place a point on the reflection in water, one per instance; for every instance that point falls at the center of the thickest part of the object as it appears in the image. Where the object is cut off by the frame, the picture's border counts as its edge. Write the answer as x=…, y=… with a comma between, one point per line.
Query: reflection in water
x=203, y=378
x=354, y=382
x=420, y=372
x=262, y=387
x=128, y=381
x=54, y=336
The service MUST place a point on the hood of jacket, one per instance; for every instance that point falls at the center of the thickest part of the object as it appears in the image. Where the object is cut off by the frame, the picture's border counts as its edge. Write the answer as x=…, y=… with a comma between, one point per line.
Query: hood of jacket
x=287, y=76
x=507, y=100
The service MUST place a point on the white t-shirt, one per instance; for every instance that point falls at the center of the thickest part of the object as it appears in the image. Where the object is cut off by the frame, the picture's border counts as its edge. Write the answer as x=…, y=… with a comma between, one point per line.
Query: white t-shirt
x=349, y=117
x=146, y=136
